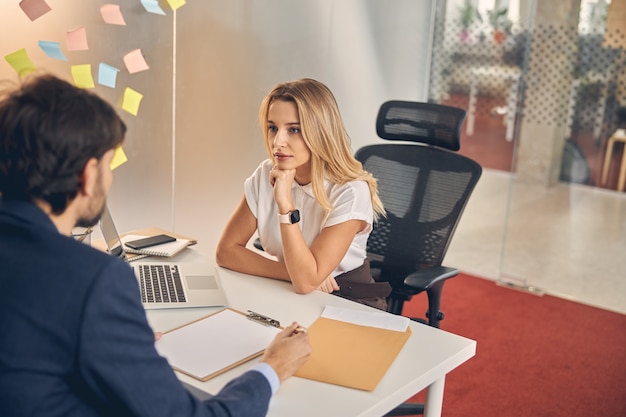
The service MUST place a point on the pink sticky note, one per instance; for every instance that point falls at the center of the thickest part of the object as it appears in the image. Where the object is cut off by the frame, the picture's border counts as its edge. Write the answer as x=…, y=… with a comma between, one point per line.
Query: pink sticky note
x=135, y=61
x=112, y=15
x=34, y=9
x=77, y=39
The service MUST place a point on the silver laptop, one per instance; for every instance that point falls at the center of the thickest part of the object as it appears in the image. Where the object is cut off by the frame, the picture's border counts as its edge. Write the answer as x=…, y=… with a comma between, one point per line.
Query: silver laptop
x=167, y=284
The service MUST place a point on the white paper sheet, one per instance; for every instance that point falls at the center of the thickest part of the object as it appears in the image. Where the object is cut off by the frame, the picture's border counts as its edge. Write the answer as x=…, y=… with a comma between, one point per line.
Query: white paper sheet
x=214, y=343
x=376, y=319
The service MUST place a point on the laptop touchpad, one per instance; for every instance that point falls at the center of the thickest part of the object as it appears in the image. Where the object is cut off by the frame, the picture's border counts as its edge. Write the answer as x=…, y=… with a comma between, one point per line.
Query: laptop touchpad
x=201, y=282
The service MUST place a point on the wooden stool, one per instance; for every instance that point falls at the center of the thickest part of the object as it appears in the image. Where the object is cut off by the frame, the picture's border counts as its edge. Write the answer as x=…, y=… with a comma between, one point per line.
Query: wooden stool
x=618, y=136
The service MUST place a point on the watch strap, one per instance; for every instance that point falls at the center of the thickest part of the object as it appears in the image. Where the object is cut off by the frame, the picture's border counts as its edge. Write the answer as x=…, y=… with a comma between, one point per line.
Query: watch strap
x=291, y=217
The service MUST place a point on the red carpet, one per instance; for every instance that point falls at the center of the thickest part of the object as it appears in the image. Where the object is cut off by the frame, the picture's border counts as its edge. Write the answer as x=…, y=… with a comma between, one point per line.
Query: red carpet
x=535, y=356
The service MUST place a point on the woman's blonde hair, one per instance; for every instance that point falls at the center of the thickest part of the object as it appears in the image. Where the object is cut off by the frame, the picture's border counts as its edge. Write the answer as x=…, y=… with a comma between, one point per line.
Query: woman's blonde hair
x=325, y=135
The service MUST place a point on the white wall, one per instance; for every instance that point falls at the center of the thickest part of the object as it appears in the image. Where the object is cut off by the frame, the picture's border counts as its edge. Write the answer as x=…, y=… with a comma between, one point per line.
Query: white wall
x=230, y=53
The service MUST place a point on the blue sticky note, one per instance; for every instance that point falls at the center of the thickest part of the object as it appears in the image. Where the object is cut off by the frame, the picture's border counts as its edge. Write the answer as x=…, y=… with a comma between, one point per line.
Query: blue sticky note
x=52, y=49
x=152, y=6
x=107, y=75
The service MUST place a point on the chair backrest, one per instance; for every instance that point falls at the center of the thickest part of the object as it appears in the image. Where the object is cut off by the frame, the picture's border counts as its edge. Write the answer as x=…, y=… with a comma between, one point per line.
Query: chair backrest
x=424, y=188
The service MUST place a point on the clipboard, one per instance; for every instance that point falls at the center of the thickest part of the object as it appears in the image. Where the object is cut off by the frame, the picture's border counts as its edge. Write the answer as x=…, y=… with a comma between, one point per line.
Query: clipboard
x=351, y=355
x=214, y=344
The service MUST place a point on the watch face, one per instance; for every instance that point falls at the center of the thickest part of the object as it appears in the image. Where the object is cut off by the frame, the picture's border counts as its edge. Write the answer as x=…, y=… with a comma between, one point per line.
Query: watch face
x=294, y=216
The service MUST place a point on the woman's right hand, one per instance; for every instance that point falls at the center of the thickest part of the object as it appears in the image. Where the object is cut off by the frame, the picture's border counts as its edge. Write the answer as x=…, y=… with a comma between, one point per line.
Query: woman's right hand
x=282, y=180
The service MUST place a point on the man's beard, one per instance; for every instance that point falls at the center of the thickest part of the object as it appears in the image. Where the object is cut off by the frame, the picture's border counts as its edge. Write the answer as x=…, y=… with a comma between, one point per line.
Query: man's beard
x=96, y=207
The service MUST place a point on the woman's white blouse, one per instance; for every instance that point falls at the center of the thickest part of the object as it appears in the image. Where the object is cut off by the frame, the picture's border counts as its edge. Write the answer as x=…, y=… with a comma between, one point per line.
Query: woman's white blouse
x=349, y=201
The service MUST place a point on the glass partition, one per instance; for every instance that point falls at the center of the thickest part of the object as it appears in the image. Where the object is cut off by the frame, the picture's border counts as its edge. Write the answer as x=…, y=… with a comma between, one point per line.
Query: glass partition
x=81, y=39
x=544, y=86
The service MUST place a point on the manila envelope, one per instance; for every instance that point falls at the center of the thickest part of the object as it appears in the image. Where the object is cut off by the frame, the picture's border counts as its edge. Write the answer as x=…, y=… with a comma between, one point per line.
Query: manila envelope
x=349, y=354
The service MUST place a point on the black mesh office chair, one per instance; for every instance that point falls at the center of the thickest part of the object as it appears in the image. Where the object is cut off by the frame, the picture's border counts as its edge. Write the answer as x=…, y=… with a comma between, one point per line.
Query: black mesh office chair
x=424, y=187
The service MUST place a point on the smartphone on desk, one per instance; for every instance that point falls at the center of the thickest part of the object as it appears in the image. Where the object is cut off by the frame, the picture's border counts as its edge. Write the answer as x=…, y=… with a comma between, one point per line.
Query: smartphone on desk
x=149, y=241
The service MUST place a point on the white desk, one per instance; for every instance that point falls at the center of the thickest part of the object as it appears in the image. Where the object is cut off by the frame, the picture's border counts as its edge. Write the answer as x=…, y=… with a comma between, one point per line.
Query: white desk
x=423, y=362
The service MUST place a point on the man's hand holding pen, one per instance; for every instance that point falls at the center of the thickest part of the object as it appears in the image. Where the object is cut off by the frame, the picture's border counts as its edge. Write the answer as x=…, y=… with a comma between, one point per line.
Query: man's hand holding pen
x=288, y=351
x=299, y=329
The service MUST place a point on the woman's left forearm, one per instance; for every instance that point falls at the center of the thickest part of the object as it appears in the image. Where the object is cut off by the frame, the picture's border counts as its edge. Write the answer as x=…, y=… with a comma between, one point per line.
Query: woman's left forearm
x=309, y=267
x=299, y=260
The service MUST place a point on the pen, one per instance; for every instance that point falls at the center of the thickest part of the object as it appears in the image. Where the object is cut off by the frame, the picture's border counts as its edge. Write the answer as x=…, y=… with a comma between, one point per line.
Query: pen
x=299, y=330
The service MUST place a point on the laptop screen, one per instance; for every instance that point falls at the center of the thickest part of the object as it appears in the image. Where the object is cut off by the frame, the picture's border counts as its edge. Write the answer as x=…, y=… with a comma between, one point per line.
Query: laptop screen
x=111, y=237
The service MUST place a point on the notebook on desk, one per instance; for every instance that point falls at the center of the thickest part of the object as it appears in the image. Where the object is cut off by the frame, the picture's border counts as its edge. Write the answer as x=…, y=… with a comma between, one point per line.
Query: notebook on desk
x=168, y=249
x=166, y=284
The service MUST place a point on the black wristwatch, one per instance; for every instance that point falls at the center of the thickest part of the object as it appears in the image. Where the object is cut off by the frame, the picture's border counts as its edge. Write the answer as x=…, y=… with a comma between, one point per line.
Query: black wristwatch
x=292, y=217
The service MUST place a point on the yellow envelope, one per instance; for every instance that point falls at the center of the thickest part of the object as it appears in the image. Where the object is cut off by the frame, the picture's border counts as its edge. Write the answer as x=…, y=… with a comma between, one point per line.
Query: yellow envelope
x=351, y=355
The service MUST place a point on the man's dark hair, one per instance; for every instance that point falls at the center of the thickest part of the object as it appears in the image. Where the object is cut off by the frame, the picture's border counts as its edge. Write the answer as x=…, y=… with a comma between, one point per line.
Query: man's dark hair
x=49, y=129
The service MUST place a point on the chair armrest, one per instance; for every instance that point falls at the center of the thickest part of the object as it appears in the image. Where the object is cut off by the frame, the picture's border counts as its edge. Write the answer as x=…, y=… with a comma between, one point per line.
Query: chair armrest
x=257, y=244
x=422, y=280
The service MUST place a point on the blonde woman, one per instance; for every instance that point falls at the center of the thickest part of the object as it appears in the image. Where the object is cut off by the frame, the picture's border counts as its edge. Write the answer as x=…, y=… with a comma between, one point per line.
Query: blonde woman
x=311, y=202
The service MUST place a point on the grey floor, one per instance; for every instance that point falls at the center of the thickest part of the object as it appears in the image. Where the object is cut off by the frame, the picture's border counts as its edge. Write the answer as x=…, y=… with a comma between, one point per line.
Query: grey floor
x=565, y=240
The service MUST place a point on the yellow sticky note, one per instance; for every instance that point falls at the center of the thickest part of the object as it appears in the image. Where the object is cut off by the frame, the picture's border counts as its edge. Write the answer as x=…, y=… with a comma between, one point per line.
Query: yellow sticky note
x=119, y=157
x=175, y=4
x=82, y=76
x=131, y=101
x=20, y=62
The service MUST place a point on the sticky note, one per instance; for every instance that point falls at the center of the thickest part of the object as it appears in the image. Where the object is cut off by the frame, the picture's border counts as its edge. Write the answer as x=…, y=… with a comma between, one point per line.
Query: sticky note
x=152, y=6
x=82, y=76
x=77, y=39
x=20, y=62
x=34, y=9
x=52, y=49
x=112, y=14
x=135, y=61
x=107, y=75
x=175, y=4
x=131, y=101
x=119, y=157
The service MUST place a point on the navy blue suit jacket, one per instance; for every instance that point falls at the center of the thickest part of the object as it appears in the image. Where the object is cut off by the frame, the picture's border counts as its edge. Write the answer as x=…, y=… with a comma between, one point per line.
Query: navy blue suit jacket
x=74, y=339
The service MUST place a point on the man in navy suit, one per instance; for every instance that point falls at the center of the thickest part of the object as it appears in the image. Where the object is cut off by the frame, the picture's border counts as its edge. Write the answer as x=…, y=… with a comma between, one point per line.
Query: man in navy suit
x=74, y=339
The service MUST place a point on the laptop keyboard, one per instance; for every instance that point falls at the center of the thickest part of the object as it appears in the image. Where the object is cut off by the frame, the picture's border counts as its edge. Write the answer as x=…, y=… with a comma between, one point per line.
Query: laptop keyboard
x=160, y=284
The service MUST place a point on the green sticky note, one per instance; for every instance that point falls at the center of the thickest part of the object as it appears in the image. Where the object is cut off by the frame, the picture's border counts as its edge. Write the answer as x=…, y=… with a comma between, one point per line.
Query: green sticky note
x=20, y=62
